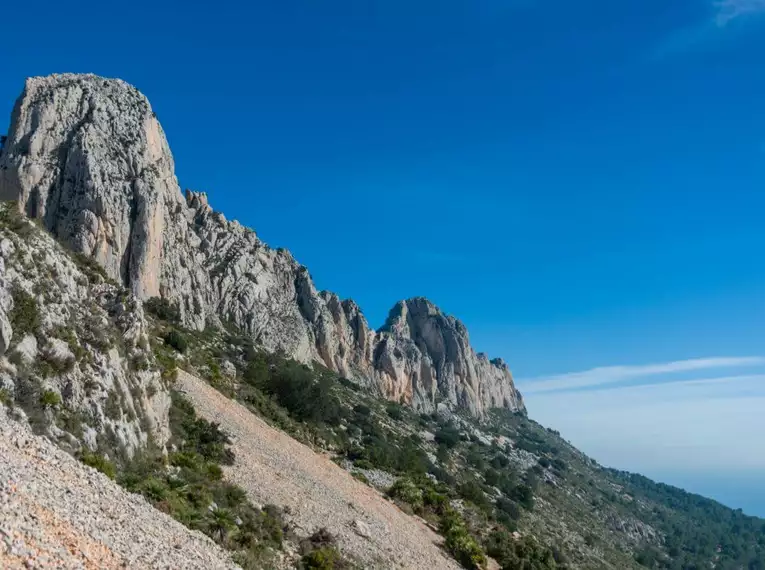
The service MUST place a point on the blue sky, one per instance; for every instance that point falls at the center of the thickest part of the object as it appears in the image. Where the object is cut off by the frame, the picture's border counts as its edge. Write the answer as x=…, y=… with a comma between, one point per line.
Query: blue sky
x=580, y=182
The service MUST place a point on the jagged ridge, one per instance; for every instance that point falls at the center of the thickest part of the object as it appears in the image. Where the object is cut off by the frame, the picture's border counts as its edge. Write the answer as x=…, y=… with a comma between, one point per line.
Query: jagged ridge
x=87, y=156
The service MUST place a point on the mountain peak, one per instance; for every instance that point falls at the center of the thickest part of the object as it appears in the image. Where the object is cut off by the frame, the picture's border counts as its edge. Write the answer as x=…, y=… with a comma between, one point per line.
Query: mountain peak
x=87, y=156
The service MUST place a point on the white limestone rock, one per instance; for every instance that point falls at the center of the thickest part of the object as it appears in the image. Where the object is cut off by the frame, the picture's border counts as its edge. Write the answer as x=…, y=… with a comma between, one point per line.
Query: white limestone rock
x=83, y=345
x=87, y=156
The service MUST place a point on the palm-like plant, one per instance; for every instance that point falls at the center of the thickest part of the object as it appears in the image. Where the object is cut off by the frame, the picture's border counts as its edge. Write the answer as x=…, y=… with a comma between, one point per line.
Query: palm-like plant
x=220, y=522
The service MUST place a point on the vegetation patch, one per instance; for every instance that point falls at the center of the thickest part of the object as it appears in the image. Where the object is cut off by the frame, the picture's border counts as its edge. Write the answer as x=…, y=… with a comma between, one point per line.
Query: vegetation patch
x=189, y=486
x=25, y=315
x=99, y=462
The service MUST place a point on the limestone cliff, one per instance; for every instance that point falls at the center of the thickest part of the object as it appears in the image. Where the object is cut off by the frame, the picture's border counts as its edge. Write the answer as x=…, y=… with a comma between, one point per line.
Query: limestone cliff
x=75, y=360
x=87, y=156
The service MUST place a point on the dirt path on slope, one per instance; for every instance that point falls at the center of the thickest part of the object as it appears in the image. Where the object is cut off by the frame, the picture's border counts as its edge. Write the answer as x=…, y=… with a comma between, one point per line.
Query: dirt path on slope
x=274, y=468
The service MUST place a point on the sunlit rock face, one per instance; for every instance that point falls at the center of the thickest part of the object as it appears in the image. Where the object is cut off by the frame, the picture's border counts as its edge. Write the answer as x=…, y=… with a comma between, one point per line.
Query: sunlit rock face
x=88, y=158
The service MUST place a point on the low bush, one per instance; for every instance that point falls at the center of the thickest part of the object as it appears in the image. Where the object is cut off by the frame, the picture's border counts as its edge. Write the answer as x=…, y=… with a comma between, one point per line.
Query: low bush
x=462, y=546
x=448, y=436
x=326, y=558
x=25, y=315
x=49, y=399
x=90, y=267
x=394, y=411
x=524, y=496
x=163, y=309
x=307, y=395
x=320, y=553
x=472, y=491
x=176, y=340
x=524, y=553
x=406, y=491
x=100, y=463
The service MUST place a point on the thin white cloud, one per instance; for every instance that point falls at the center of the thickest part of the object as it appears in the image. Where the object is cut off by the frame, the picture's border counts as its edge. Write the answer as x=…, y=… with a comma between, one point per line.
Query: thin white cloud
x=728, y=10
x=615, y=374
x=710, y=32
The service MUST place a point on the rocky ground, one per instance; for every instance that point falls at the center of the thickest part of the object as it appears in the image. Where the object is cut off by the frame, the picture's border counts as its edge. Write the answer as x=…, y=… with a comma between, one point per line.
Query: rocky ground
x=274, y=468
x=57, y=513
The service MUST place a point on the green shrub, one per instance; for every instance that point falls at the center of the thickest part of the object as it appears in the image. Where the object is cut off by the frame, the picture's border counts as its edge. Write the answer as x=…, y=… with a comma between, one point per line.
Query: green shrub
x=24, y=316
x=500, y=461
x=177, y=340
x=306, y=395
x=462, y=546
x=5, y=397
x=197, y=434
x=49, y=399
x=348, y=384
x=325, y=558
x=100, y=463
x=358, y=475
x=394, y=411
x=524, y=553
x=11, y=218
x=524, y=496
x=492, y=477
x=448, y=436
x=163, y=309
x=406, y=491
x=472, y=491
x=475, y=458
x=559, y=464
x=509, y=507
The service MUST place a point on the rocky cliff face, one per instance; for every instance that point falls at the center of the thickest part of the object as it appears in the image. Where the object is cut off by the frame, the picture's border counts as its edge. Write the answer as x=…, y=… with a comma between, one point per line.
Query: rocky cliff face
x=74, y=352
x=87, y=157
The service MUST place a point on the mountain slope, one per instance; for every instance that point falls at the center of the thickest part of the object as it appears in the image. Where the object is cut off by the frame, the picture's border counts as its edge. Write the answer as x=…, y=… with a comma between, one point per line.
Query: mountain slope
x=87, y=157
x=74, y=350
x=85, y=365
x=498, y=476
x=58, y=513
x=318, y=493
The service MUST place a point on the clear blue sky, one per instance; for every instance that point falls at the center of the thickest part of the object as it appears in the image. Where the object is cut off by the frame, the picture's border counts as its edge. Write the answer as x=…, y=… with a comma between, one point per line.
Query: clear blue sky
x=580, y=182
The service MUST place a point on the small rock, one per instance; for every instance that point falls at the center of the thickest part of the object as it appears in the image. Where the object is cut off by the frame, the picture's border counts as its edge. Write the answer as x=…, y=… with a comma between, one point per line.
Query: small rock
x=361, y=528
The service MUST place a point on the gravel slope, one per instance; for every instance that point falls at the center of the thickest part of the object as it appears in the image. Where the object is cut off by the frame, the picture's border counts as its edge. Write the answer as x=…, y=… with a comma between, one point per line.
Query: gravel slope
x=274, y=468
x=57, y=513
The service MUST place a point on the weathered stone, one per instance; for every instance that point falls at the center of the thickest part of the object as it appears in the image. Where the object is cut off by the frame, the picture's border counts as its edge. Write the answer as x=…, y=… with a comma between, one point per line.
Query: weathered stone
x=87, y=156
x=6, y=332
x=25, y=351
x=361, y=528
x=228, y=369
x=85, y=347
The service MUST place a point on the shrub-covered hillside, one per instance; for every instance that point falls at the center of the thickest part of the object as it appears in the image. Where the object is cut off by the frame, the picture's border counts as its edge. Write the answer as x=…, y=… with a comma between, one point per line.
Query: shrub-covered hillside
x=506, y=489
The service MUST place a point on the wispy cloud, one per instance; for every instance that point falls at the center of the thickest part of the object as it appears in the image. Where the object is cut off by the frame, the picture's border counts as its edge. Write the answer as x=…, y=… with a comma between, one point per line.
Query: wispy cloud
x=728, y=10
x=609, y=375
x=711, y=30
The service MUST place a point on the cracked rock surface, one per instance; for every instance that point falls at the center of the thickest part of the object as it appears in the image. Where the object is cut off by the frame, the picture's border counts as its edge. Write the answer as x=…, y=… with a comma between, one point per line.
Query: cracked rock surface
x=87, y=156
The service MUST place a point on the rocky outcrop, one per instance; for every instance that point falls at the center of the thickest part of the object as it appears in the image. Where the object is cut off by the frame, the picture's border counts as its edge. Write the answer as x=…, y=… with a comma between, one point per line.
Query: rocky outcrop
x=430, y=353
x=87, y=156
x=77, y=364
